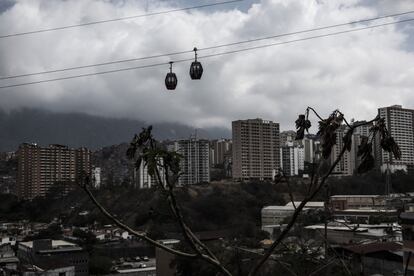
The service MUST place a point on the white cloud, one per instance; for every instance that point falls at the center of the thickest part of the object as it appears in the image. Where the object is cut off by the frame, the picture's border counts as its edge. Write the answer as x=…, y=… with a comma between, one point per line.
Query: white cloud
x=356, y=72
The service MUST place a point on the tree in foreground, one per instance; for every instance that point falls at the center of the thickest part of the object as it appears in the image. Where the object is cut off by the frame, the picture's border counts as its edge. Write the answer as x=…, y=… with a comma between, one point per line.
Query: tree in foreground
x=164, y=166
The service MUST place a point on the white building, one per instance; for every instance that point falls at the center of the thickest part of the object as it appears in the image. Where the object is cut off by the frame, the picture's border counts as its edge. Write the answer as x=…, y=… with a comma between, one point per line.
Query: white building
x=400, y=124
x=195, y=160
x=96, y=177
x=274, y=215
x=309, y=148
x=292, y=159
x=8, y=240
x=346, y=164
x=143, y=180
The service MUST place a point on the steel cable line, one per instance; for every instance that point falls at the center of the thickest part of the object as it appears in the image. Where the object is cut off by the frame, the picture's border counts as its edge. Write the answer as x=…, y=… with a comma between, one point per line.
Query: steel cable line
x=117, y=19
x=204, y=48
x=210, y=55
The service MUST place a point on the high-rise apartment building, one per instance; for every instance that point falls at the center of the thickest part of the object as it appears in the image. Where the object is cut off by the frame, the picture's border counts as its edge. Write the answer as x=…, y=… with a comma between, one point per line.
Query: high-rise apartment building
x=256, y=149
x=142, y=179
x=195, y=160
x=96, y=177
x=219, y=150
x=357, y=136
x=292, y=159
x=400, y=124
x=288, y=136
x=309, y=149
x=346, y=164
x=40, y=169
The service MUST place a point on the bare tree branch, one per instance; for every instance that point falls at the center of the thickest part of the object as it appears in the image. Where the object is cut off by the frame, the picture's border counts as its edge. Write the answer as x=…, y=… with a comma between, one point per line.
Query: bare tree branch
x=295, y=215
x=190, y=237
x=314, y=111
x=336, y=254
x=140, y=234
x=283, y=175
x=330, y=261
x=146, y=147
x=406, y=264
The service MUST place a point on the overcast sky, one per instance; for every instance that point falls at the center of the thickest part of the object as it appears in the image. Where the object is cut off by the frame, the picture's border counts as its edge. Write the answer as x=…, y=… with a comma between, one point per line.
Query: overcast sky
x=356, y=72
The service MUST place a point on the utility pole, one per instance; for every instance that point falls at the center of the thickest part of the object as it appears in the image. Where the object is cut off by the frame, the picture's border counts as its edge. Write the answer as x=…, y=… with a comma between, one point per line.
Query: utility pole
x=327, y=194
x=388, y=177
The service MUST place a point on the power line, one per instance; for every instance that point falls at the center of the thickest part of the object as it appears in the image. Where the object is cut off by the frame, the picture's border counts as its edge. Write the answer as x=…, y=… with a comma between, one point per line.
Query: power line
x=206, y=48
x=92, y=74
x=310, y=30
x=95, y=65
x=210, y=55
x=117, y=19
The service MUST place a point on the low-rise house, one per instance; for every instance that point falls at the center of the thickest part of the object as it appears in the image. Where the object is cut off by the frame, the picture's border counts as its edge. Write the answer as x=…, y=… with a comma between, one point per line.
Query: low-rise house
x=138, y=266
x=274, y=215
x=8, y=240
x=342, y=202
x=344, y=234
x=41, y=252
x=407, y=224
x=110, y=233
x=46, y=269
x=365, y=215
x=8, y=259
x=309, y=205
x=375, y=258
x=164, y=260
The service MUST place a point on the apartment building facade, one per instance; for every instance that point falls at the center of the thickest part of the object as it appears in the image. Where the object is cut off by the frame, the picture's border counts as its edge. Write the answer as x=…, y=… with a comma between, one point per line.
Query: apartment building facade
x=220, y=148
x=292, y=159
x=400, y=124
x=143, y=180
x=42, y=168
x=256, y=149
x=346, y=164
x=195, y=161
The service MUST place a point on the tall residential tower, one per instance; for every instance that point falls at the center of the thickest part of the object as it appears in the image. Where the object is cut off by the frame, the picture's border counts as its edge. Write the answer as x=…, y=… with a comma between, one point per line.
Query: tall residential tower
x=400, y=124
x=256, y=149
x=195, y=161
x=40, y=169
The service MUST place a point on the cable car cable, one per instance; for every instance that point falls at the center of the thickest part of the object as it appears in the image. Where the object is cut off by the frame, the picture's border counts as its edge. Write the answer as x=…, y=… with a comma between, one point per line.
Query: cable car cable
x=204, y=48
x=211, y=55
x=117, y=19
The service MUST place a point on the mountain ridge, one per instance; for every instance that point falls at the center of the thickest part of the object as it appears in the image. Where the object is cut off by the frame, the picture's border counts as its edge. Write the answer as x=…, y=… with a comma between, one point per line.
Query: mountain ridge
x=83, y=130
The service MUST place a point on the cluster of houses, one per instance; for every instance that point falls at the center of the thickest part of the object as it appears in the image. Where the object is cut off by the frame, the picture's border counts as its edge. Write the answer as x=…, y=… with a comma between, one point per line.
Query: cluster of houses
x=22, y=255
x=375, y=233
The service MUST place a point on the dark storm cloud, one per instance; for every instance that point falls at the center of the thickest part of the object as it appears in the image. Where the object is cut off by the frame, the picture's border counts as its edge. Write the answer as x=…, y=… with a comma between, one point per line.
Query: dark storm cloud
x=356, y=72
x=5, y=5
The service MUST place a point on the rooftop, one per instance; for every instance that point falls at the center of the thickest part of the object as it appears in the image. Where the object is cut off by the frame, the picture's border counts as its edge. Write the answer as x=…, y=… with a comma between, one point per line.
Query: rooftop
x=310, y=204
x=278, y=207
x=169, y=241
x=374, y=247
x=336, y=196
x=51, y=246
x=407, y=216
x=337, y=228
x=366, y=210
x=55, y=244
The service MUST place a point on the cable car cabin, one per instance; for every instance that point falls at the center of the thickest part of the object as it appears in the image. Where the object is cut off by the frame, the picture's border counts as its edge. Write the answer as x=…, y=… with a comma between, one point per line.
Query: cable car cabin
x=171, y=81
x=196, y=70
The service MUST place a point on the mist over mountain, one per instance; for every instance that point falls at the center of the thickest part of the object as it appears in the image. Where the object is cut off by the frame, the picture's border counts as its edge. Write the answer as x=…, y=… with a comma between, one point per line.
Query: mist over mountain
x=82, y=130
